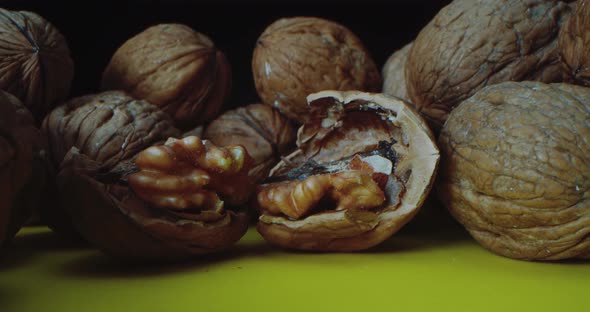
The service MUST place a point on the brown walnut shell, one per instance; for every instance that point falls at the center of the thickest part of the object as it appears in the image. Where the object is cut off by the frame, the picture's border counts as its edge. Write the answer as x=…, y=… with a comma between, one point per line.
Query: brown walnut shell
x=301, y=55
x=515, y=168
x=174, y=67
x=394, y=73
x=20, y=143
x=261, y=129
x=108, y=128
x=35, y=65
x=471, y=44
x=343, y=125
x=574, y=42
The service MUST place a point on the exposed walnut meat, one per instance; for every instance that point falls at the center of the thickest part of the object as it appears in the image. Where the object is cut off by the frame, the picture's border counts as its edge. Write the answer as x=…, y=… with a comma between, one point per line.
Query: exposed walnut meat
x=190, y=173
x=35, y=63
x=301, y=55
x=574, y=42
x=174, y=67
x=348, y=190
x=262, y=130
x=471, y=44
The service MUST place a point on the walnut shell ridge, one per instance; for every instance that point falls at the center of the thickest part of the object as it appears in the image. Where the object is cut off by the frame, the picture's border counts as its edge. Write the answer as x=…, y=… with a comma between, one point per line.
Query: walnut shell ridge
x=35, y=66
x=297, y=56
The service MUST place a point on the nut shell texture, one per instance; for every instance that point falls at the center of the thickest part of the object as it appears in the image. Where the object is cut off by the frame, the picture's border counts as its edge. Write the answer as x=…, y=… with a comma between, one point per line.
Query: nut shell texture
x=471, y=44
x=261, y=129
x=394, y=73
x=298, y=56
x=35, y=63
x=515, y=169
x=174, y=67
x=574, y=42
x=19, y=140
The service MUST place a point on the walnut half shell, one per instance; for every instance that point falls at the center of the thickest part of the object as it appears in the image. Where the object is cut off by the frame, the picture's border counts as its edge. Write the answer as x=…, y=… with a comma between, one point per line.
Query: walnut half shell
x=364, y=165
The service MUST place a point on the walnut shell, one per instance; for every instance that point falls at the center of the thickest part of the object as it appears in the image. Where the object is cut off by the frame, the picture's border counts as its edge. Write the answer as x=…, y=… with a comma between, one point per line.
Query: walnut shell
x=108, y=128
x=36, y=66
x=516, y=162
x=19, y=143
x=394, y=73
x=174, y=67
x=261, y=129
x=297, y=56
x=343, y=125
x=470, y=44
x=574, y=41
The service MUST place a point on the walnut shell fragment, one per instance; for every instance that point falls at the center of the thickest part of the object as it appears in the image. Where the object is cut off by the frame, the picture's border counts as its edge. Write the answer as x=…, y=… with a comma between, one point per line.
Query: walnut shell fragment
x=516, y=162
x=174, y=67
x=394, y=73
x=471, y=44
x=20, y=143
x=364, y=165
x=261, y=129
x=35, y=65
x=574, y=42
x=297, y=56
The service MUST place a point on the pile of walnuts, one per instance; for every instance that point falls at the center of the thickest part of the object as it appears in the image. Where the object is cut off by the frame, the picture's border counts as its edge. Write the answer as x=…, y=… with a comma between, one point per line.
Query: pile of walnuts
x=336, y=156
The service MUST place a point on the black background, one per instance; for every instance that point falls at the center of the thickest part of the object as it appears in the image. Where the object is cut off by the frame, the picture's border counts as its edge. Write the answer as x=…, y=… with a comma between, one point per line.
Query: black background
x=95, y=29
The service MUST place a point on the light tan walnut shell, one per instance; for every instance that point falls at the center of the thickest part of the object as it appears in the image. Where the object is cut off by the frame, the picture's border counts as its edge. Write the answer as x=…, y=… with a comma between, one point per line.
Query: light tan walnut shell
x=364, y=165
x=301, y=55
x=474, y=43
x=35, y=63
x=515, y=168
x=261, y=129
x=394, y=73
x=175, y=68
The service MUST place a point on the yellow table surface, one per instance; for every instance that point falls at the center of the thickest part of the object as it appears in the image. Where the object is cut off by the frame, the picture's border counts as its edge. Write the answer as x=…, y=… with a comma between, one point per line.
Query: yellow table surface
x=422, y=268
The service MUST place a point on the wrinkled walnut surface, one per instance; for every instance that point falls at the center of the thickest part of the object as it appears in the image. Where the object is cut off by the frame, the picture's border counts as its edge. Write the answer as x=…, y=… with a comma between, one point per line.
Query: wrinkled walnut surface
x=471, y=44
x=35, y=63
x=301, y=55
x=394, y=73
x=108, y=127
x=515, y=169
x=19, y=141
x=342, y=125
x=574, y=42
x=191, y=173
x=174, y=67
x=261, y=129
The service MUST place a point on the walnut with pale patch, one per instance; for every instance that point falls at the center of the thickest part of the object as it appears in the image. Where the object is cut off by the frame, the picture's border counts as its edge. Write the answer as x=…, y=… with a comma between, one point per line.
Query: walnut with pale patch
x=363, y=167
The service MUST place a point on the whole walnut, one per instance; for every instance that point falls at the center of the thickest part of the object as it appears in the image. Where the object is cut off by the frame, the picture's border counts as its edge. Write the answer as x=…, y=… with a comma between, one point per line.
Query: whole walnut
x=394, y=73
x=174, y=67
x=301, y=55
x=363, y=167
x=574, y=42
x=20, y=143
x=35, y=65
x=515, y=168
x=474, y=43
x=261, y=129
x=134, y=199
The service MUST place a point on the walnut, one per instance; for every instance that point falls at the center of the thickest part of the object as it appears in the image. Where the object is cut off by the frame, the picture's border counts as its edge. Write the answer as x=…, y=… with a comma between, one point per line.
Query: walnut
x=261, y=129
x=471, y=44
x=174, y=67
x=192, y=174
x=35, y=66
x=297, y=56
x=20, y=148
x=574, y=40
x=394, y=73
x=363, y=167
x=515, y=169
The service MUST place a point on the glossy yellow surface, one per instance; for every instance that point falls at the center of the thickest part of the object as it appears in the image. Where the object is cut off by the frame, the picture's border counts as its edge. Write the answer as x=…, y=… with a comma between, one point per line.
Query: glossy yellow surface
x=438, y=269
